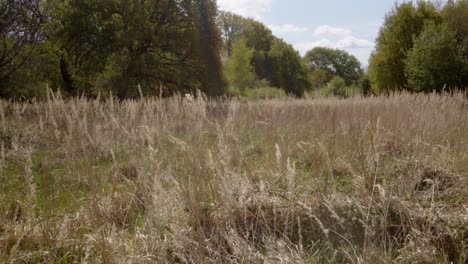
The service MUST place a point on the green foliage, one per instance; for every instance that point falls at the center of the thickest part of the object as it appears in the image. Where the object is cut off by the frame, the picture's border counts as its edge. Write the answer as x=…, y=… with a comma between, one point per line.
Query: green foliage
x=338, y=87
x=257, y=36
x=19, y=35
x=231, y=27
x=19, y=31
x=206, y=37
x=455, y=14
x=33, y=78
x=88, y=47
x=153, y=47
x=318, y=78
x=265, y=92
x=122, y=47
x=434, y=63
x=404, y=23
x=272, y=59
x=290, y=73
x=239, y=71
x=365, y=85
x=326, y=63
x=334, y=72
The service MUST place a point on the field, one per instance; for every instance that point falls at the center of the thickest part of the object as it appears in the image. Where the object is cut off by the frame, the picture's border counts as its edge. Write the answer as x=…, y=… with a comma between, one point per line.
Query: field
x=361, y=180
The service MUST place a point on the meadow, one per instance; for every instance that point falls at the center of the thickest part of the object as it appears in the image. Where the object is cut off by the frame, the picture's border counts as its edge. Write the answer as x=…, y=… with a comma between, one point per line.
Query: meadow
x=176, y=180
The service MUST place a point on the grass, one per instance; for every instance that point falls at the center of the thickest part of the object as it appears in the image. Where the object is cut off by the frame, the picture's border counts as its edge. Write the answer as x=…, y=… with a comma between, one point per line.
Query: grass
x=361, y=180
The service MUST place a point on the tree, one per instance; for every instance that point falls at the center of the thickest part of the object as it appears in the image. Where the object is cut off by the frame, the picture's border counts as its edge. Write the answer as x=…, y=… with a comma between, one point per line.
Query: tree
x=239, y=71
x=337, y=86
x=434, y=63
x=257, y=36
x=20, y=21
x=402, y=25
x=318, y=78
x=365, y=85
x=273, y=60
x=321, y=60
x=290, y=72
x=208, y=43
x=231, y=27
x=455, y=14
x=260, y=38
x=82, y=37
x=334, y=63
x=158, y=45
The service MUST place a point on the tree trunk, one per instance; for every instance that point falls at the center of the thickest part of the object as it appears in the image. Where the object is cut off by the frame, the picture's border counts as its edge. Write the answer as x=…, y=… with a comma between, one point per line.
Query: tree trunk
x=66, y=76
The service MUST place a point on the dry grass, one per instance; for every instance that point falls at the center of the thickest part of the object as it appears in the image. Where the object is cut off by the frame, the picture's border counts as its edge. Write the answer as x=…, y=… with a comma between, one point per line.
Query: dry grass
x=362, y=180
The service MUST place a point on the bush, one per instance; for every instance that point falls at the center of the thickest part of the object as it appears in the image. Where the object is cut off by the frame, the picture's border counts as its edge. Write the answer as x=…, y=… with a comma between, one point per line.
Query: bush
x=365, y=85
x=265, y=93
x=337, y=87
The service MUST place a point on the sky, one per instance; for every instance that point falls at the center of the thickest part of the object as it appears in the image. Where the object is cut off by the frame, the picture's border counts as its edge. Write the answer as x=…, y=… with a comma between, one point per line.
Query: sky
x=343, y=24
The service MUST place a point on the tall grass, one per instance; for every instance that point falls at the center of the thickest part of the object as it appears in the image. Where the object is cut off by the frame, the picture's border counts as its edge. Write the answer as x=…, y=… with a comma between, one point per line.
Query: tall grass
x=362, y=180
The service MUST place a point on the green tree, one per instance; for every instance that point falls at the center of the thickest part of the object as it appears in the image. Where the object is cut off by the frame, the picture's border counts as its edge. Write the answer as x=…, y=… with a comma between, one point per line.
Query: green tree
x=455, y=14
x=82, y=36
x=402, y=25
x=260, y=38
x=231, y=27
x=318, y=78
x=272, y=59
x=334, y=63
x=125, y=44
x=289, y=70
x=365, y=85
x=20, y=23
x=239, y=71
x=207, y=39
x=434, y=63
x=337, y=86
x=257, y=36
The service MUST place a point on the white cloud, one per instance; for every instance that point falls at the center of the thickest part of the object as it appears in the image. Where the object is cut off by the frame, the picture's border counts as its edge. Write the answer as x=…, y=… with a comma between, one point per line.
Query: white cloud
x=303, y=47
x=352, y=42
x=348, y=43
x=287, y=28
x=360, y=48
x=249, y=8
x=331, y=32
x=338, y=38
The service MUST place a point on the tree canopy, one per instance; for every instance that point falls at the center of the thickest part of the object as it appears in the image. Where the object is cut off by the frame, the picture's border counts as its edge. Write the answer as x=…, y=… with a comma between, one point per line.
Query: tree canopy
x=273, y=59
x=455, y=14
x=396, y=38
x=433, y=63
x=160, y=47
x=422, y=48
x=239, y=70
x=128, y=47
x=116, y=46
x=333, y=62
x=19, y=30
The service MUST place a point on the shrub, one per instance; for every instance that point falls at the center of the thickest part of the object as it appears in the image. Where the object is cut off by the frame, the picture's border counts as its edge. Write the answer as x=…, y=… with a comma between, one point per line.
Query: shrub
x=265, y=93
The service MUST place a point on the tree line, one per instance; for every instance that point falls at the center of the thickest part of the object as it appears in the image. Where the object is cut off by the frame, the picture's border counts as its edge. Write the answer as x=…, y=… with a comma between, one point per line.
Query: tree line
x=422, y=48
x=130, y=48
x=125, y=47
x=255, y=57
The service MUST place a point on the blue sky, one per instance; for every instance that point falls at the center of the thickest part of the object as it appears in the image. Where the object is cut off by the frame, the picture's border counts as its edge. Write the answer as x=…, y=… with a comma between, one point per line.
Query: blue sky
x=344, y=24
